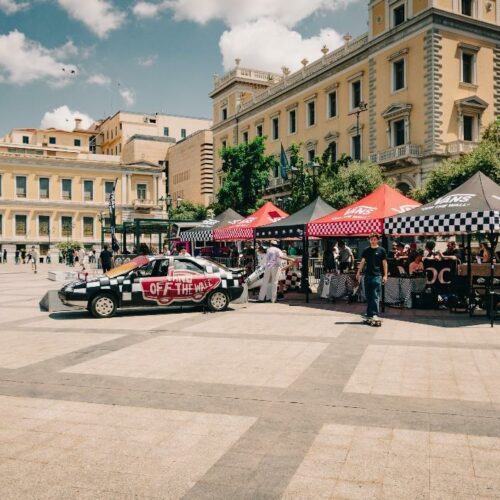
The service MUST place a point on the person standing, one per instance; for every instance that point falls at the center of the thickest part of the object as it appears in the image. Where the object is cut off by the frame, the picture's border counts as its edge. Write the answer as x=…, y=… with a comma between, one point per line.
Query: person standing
x=34, y=259
x=4, y=256
x=16, y=257
x=106, y=258
x=272, y=264
x=346, y=257
x=374, y=264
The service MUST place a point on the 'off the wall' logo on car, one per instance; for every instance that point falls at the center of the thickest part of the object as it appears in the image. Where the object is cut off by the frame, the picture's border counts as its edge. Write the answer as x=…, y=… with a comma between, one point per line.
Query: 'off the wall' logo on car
x=359, y=211
x=178, y=287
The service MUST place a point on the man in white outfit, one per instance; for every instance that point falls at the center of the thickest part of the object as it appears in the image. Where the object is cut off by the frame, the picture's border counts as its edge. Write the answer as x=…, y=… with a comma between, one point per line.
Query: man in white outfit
x=272, y=265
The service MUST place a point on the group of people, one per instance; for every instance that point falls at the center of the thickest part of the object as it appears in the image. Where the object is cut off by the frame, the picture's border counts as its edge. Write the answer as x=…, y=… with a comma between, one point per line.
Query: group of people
x=338, y=256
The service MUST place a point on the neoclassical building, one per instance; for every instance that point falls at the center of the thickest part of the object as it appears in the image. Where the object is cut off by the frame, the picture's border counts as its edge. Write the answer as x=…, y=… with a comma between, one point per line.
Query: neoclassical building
x=418, y=87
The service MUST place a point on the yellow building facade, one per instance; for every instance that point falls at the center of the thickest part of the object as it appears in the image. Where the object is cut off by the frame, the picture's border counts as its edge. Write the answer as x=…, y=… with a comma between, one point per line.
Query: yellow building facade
x=417, y=88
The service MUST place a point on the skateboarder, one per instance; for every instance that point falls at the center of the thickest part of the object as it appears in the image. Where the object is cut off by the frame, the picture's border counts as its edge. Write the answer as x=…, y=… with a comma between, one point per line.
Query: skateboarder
x=374, y=264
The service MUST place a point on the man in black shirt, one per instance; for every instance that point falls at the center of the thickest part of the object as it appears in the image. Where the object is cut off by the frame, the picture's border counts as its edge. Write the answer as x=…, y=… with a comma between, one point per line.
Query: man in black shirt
x=374, y=263
x=106, y=258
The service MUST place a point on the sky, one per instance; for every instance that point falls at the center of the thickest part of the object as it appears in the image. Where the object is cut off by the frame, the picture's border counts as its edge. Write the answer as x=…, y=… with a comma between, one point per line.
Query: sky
x=90, y=58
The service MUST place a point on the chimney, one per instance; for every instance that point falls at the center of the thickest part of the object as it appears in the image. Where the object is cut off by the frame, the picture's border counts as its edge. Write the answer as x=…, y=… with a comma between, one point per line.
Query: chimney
x=78, y=123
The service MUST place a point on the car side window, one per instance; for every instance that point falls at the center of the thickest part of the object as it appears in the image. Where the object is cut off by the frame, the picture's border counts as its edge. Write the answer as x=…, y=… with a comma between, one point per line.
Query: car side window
x=162, y=269
x=187, y=265
x=146, y=271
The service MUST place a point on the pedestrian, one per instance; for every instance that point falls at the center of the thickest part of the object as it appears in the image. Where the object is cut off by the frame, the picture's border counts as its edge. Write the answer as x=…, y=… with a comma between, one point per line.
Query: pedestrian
x=272, y=264
x=16, y=257
x=4, y=256
x=106, y=259
x=346, y=257
x=34, y=259
x=183, y=252
x=374, y=264
x=23, y=256
x=417, y=265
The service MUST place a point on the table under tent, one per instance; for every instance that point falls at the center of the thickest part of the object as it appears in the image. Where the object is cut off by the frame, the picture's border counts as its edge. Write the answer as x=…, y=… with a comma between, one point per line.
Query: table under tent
x=294, y=227
x=472, y=208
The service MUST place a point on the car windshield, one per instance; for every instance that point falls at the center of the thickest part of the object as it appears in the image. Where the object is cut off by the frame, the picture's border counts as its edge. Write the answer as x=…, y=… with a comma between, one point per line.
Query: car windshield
x=209, y=262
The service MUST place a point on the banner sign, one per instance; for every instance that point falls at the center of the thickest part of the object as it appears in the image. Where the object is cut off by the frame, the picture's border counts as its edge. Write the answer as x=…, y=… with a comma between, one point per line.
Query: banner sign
x=440, y=274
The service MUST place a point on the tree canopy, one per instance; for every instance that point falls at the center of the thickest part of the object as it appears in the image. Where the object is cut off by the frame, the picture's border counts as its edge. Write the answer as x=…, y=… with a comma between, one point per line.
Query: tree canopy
x=455, y=171
x=246, y=170
x=301, y=182
x=188, y=211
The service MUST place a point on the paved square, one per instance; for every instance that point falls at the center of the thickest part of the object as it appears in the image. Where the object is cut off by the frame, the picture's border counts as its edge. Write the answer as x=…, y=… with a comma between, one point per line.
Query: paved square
x=209, y=360
x=428, y=372
x=373, y=462
x=271, y=324
x=107, y=451
x=25, y=348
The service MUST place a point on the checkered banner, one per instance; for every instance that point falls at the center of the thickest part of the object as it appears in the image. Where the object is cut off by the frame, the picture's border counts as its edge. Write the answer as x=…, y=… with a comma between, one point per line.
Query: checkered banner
x=201, y=235
x=471, y=222
x=233, y=233
x=346, y=228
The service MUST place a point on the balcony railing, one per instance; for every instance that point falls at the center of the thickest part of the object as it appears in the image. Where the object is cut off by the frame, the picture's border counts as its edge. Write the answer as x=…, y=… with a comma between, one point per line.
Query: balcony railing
x=407, y=152
x=277, y=182
x=460, y=147
x=252, y=74
x=143, y=204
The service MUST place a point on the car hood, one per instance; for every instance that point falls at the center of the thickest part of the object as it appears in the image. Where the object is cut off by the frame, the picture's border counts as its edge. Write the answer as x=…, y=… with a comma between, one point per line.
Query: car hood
x=126, y=267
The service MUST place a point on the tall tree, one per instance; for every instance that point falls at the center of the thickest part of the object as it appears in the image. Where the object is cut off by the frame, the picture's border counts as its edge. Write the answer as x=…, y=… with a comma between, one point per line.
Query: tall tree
x=246, y=170
x=455, y=171
x=301, y=182
x=353, y=181
x=188, y=211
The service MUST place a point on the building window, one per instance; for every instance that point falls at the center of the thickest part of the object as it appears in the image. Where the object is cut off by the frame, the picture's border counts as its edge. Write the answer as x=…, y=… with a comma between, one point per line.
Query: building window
x=245, y=137
x=311, y=113
x=183, y=133
x=311, y=155
x=468, y=60
x=66, y=189
x=52, y=140
x=355, y=94
x=398, y=133
x=142, y=190
x=224, y=114
x=88, y=227
x=21, y=186
x=43, y=187
x=43, y=225
x=77, y=142
x=356, y=147
x=275, y=128
x=332, y=104
x=259, y=131
x=398, y=75
x=292, y=121
x=21, y=222
x=333, y=150
x=108, y=189
x=1, y=223
x=67, y=226
x=398, y=15
x=166, y=131
x=88, y=190
x=26, y=139
x=467, y=7
x=469, y=127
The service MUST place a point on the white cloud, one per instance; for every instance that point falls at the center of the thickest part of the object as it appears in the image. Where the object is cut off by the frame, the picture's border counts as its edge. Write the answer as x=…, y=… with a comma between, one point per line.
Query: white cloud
x=128, y=95
x=147, y=60
x=99, y=79
x=266, y=44
x=234, y=12
x=100, y=16
x=22, y=61
x=64, y=118
x=12, y=6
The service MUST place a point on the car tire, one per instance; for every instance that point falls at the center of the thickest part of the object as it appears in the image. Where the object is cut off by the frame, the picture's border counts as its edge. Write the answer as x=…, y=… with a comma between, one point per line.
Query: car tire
x=103, y=305
x=218, y=301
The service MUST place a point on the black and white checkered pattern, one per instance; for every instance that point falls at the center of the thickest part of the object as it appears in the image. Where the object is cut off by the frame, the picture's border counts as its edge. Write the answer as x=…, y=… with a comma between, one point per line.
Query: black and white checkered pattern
x=462, y=223
x=200, y=235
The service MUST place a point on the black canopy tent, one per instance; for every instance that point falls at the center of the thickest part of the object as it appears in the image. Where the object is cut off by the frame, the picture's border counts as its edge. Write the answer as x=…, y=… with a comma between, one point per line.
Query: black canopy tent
x=204, y=231
x=293, y=227
x=473, y=207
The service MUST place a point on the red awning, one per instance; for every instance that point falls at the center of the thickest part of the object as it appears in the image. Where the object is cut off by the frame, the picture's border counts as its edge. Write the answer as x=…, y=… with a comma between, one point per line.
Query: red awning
x=363, y=217
x=244, y=229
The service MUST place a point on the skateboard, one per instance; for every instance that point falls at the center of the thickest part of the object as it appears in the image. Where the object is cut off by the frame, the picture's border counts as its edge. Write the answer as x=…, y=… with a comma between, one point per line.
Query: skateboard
x=372, y=321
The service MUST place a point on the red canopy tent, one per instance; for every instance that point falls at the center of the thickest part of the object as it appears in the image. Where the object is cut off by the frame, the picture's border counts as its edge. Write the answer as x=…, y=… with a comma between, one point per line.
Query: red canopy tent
x=364, y=217
x=245, y=229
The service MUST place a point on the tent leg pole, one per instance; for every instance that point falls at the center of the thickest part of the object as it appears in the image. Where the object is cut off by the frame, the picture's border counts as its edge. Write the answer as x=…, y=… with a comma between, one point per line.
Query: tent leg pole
x=493, y=243
x=385, y=245
x=469, y=267
x=254, y=252
x=305, y=266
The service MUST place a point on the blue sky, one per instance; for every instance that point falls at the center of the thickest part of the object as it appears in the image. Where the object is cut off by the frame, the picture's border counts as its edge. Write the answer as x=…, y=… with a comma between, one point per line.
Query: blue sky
x=153, y=55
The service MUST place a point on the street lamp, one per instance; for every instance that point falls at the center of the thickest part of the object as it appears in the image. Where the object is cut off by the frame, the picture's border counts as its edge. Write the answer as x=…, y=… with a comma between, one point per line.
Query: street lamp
x=314, y=165
x=361, y=108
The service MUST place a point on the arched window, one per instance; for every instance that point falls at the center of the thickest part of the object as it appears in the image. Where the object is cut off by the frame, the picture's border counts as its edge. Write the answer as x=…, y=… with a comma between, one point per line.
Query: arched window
x=404, y=187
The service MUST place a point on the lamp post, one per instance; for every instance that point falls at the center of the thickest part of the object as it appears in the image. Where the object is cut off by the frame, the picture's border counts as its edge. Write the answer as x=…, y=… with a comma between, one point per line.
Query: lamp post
x=167, y=199
x=361, y=108
x=313, y=165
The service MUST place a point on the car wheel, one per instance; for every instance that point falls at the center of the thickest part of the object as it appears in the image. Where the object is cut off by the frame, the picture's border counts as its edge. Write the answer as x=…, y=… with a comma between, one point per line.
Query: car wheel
x=103, y=306
x=218, y=301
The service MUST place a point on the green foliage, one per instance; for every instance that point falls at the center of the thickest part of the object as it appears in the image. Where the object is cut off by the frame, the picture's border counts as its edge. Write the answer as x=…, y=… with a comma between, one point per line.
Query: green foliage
x=455, y=171
x=68, y=246
x=188, y=211
x=301, y=182
x=329, y=166
x=246, y=170
x=353, y=181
